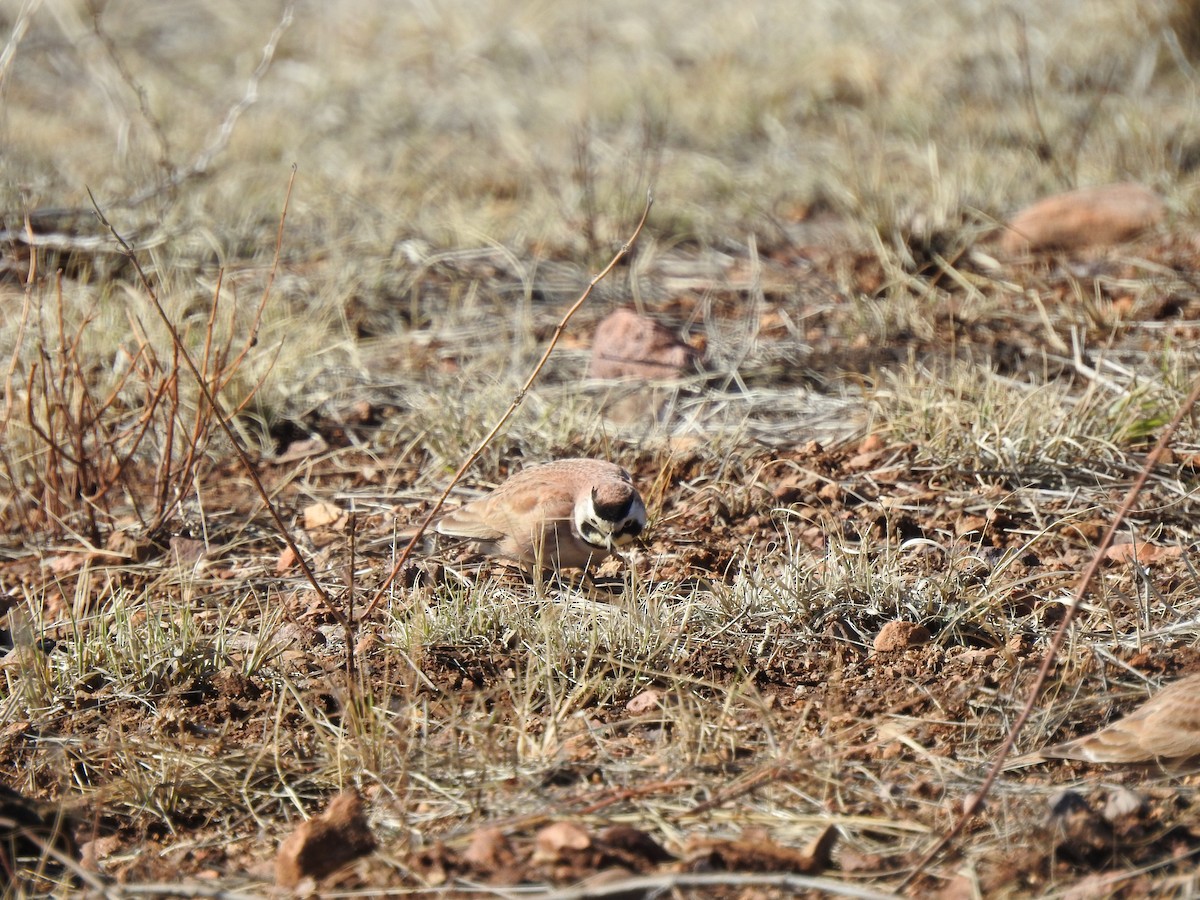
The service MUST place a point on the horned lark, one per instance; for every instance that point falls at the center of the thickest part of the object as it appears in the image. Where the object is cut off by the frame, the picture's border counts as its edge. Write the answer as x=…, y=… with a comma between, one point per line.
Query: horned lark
x=1164, y=729
x=558, y=515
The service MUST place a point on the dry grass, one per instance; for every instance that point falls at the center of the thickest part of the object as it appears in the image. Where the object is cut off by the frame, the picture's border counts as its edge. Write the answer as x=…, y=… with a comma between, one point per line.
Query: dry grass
x=824, y=177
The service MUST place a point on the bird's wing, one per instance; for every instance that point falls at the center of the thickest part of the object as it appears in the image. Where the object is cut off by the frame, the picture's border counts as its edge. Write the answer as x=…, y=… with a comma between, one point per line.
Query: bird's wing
x=518, y=507
x=1167, y=726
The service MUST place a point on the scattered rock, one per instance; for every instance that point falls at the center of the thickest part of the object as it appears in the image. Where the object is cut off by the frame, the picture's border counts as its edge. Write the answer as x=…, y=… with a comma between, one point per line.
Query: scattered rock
x=325, y=842
x=1091, y=216
x=1145, y=554
x=870, y=444
x=324, y=515
x=554, y=839
x=490, y=854
x=95, y=851
x=831, y=492
x=644, y=702
x=794, y=486
x=628, y=345
x=286, y=560
x=565, y=852
x=900, y=635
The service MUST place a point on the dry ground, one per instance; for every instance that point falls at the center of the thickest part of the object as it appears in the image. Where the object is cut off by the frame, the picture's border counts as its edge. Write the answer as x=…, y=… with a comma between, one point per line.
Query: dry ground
x=895, y=424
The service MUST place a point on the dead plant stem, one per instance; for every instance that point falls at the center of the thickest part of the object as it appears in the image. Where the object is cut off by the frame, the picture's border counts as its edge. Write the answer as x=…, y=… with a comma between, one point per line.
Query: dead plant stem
x=512, y=407
x=975, y=801
x=218, y=412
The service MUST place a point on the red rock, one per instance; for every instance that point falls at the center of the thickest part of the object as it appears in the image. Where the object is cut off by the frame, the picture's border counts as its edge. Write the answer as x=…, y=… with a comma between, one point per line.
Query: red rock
x=900, y=635
x=647, y=701
x=560, y=837
x=489, y=851
x=1091, y=216
x=324, y=514
x=831, y=492
x=870, y=444
x=92, y=852
x=326, y=842
x=1146, y=554
x=628, y=345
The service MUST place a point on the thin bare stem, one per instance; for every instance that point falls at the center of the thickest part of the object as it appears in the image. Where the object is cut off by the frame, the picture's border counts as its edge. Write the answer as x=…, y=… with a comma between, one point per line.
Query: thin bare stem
x=218, y=410
x=512, y=407
x=975, y=802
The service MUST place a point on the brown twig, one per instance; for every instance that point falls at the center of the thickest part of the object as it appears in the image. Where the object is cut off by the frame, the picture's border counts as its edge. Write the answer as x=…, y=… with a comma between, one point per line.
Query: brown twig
x=218, y=412
x=348, y=627
x=512, y=408
x=975, y=801
x=620, y=795
x=774, y=771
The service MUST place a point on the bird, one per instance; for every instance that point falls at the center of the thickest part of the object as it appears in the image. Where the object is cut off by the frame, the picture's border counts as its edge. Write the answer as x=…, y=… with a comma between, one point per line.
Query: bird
x=1165, y=729
x=552, y=516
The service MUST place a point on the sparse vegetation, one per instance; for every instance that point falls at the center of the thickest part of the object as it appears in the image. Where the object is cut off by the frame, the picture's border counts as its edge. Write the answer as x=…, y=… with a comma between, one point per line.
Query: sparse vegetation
x=896, y=424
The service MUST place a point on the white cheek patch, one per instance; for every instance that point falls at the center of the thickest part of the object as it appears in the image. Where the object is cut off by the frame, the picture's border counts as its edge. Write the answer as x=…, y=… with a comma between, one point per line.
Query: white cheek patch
x=596, y=532
x=604, y=533
x=583, y=522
